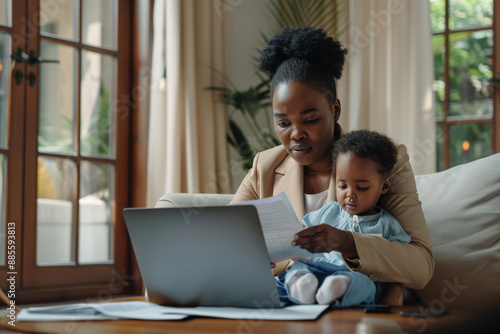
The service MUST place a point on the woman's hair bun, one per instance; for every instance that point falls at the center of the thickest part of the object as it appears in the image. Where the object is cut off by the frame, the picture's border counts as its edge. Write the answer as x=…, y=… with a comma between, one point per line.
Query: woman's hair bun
x=306, y=43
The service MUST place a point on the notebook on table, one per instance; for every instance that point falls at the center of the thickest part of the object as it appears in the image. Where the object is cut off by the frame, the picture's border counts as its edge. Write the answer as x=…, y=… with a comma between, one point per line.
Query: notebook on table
x=209, y=256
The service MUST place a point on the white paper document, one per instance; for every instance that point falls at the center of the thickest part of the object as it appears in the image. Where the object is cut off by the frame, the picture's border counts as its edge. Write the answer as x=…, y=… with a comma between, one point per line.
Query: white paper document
x=279, y=225
x=292, y=312
x=150, y=311
x=98, y=311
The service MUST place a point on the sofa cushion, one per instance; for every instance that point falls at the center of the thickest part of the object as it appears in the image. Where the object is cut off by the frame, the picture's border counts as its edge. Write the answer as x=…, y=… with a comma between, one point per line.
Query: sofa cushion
x=197, y=200
x=462, y=209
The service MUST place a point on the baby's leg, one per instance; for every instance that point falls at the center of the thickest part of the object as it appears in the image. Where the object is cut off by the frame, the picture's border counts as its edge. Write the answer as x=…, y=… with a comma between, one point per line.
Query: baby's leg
x=302, y=287
x=333, y=287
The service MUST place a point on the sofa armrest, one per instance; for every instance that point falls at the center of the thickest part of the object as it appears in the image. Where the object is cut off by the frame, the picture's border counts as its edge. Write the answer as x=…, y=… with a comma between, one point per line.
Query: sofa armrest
x=190, y=200
x=462, y=209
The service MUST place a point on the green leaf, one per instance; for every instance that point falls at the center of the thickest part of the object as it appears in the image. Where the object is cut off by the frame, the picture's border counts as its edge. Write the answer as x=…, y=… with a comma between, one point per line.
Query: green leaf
x=231, y=141
x=240, y=141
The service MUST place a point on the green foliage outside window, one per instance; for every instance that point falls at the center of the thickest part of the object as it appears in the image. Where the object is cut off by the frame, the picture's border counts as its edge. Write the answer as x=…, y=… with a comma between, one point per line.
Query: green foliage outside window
x=470, y=69
x=59, y=137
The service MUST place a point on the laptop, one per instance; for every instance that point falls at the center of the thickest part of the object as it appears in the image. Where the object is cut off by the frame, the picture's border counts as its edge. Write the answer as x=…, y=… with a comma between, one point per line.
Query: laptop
x=206, y=256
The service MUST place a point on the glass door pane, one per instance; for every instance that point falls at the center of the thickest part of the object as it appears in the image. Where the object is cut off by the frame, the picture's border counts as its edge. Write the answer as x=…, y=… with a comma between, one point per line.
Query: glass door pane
x=470, y=142
x=99, y=23
x=470, y=14
x=59, y=18
x=6, y=12
x=57, y=99
x=97, y=116
x=56, y=179
x=438, y=15
x=95, y=243
x=470, y=73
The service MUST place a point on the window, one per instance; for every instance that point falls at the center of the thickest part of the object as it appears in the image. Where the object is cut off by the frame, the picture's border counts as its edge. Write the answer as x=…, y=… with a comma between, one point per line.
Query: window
x=64, y=147
x=465, y=64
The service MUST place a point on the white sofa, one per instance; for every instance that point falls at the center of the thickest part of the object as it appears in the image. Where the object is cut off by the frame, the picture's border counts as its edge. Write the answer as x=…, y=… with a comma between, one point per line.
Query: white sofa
x=462, y=209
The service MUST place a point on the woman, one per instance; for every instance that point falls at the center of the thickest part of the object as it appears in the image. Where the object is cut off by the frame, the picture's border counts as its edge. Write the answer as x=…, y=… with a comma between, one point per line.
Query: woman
x=303, y=64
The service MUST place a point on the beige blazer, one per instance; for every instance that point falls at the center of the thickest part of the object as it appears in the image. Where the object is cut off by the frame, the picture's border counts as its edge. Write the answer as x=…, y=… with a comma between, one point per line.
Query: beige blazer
x=412, y=264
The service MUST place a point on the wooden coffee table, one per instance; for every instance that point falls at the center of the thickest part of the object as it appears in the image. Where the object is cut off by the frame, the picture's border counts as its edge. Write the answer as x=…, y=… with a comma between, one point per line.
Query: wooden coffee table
x=335, y=321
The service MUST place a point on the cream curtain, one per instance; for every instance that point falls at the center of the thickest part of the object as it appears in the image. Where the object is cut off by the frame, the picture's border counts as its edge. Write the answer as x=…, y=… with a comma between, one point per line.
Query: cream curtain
x=187, y=149
x=387, y=82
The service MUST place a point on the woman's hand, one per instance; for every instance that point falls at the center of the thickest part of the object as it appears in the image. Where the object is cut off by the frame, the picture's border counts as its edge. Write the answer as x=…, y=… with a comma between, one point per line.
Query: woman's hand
x=324, y=238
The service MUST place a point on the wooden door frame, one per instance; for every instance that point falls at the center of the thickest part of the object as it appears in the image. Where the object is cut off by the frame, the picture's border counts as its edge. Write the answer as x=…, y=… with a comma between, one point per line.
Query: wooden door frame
x=496, y=73
x=36, y=283
x=15, y=156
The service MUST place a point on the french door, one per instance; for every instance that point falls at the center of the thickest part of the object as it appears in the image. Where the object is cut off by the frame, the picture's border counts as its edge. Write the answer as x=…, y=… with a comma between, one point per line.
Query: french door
x=64, y=143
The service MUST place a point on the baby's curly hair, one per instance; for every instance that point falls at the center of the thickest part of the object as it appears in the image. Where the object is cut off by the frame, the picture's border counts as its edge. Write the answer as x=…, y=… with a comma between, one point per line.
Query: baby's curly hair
x=304, y=54
x=371, y=145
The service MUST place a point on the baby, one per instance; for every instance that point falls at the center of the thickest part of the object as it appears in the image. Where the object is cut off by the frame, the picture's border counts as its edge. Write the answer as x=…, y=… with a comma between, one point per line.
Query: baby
x=363, y=161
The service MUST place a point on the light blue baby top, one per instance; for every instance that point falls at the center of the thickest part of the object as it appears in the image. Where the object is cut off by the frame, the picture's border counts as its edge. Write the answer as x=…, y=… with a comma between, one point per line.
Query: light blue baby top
x=381, y=224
